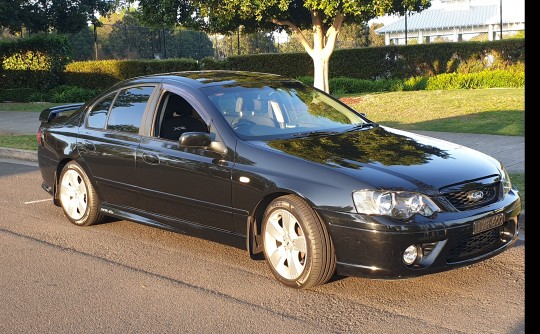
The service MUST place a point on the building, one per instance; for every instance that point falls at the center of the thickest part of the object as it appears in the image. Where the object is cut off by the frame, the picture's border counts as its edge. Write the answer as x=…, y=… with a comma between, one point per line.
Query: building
x=457, y=20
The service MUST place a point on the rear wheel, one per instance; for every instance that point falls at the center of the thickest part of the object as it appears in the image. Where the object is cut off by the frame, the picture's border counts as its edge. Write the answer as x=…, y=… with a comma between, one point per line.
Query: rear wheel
x=297, y=245
x=78, y=197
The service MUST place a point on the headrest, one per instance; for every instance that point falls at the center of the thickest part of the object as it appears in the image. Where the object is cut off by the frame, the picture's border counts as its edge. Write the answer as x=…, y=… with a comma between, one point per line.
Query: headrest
x=178, y=105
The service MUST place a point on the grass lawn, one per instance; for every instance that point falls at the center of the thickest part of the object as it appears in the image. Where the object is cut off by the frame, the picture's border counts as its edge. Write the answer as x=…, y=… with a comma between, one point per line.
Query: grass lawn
x=496, y=111
x=25, y=142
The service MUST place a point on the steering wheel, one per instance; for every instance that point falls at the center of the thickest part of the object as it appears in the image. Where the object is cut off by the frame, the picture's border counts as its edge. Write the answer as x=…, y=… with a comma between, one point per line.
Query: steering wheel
x=241, y=124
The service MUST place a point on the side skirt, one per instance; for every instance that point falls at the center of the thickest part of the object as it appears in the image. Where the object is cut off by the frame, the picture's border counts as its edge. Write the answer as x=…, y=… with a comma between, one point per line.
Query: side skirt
x=175, y=225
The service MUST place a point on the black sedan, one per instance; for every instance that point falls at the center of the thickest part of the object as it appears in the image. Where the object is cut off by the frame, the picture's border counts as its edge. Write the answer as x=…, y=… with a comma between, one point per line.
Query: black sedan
x=267, y=164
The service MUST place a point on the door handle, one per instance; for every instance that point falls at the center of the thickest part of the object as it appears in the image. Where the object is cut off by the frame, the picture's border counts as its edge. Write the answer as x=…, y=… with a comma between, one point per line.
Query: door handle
x=150, y=158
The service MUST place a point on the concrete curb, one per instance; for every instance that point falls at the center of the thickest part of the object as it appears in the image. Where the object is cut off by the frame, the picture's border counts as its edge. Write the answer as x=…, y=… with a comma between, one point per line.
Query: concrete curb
x=12, y=153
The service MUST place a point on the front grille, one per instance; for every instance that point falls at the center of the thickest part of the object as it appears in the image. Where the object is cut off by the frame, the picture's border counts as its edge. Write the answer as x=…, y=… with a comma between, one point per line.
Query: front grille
x=462, y=200
x=475, y=245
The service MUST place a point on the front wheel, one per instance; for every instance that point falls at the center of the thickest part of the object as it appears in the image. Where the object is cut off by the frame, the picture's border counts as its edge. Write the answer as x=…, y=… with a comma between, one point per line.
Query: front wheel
x=78, y=197
x=297, y=245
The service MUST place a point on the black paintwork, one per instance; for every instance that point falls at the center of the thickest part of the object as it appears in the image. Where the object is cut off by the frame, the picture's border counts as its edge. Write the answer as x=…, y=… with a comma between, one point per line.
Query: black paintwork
x=197, y=190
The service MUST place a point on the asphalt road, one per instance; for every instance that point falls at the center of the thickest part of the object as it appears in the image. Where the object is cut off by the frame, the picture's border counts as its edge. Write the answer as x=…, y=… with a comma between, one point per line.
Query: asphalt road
x=122, y=277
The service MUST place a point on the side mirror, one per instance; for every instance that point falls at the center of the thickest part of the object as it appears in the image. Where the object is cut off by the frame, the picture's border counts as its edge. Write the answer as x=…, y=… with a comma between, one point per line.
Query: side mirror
x=195, y=139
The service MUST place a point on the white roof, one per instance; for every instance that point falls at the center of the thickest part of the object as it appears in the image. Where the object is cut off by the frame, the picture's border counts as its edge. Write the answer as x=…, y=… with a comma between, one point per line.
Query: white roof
x=454, y=16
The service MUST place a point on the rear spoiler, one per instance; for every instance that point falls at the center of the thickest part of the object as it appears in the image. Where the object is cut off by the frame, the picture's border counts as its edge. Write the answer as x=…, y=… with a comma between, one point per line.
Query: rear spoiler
x=49, y=114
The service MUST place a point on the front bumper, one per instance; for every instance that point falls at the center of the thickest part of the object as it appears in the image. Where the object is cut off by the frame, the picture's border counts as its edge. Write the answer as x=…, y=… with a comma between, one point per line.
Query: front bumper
x=368, y=246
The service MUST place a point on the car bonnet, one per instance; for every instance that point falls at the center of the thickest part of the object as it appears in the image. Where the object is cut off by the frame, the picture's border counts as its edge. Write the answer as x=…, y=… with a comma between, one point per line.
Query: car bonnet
x=381, y=155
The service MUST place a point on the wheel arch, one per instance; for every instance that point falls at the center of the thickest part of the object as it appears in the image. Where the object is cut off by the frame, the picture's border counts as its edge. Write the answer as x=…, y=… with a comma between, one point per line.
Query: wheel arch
x=254, y=222
x=61, y=164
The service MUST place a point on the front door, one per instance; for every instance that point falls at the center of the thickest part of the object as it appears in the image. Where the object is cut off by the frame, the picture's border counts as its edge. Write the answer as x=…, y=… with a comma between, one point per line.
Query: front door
x=190, y=185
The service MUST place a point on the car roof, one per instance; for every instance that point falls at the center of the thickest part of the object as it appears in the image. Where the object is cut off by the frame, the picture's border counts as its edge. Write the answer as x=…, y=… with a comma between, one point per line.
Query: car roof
x=210, y=77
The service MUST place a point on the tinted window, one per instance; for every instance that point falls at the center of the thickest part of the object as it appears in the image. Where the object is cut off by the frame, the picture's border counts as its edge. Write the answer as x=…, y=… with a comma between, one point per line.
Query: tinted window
x=128, y=108
x=98, y=115
x=280, y=109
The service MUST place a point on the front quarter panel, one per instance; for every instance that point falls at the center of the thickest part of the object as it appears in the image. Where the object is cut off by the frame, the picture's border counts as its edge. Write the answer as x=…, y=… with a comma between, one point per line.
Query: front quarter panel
x=262, y=172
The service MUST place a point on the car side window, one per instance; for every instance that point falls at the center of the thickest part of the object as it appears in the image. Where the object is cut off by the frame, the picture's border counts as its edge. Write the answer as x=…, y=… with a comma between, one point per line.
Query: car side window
x=128, y=109
x=97, y=117
x=178, y=116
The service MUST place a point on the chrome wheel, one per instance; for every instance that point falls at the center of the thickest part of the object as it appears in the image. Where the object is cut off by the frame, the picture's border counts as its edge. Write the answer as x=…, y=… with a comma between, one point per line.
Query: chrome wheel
x=285, y=244
x=78, y=197
x=73, y=194
x=296, y=243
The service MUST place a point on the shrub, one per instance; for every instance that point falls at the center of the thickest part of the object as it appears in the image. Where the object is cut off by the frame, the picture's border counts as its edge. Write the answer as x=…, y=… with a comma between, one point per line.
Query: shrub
x=484, y=79
x=69, y=94
x=17, y=94
x=34, y=62
x=307, y=80
x=210, y=63
x=63, y=94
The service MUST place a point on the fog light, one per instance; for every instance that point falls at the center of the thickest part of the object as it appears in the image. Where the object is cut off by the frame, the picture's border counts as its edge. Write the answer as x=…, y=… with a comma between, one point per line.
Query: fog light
x=411, y=254
x=506, y=234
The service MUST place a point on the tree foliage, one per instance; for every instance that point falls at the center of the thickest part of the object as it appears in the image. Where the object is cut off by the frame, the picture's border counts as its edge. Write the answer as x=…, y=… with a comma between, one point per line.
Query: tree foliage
x=82, y=44
x=239, y=43
x=123, y=36
x=62, y=16
x=374, y=38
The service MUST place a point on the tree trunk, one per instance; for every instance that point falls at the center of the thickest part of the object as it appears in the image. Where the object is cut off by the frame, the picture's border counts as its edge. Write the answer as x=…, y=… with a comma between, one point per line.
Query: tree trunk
x=320, y=71
x=323, y=46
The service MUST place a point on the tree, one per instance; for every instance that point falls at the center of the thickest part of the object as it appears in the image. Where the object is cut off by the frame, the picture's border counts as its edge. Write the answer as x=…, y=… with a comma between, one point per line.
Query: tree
x=63, y=16
x=254, y=43
x=374, y=38
x=324, y=17
x=82, y=44
x=188, y=44
x=128, y=39
x=10, y=16
x=353, y=35
x=123, y=36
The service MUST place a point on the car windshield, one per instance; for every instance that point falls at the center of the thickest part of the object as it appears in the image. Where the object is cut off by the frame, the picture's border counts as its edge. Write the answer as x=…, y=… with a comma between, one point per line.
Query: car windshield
x=269, y=110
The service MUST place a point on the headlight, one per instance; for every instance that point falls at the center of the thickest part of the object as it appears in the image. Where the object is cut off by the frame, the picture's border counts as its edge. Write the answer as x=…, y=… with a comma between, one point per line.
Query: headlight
x=396, y=204
x=506, y=183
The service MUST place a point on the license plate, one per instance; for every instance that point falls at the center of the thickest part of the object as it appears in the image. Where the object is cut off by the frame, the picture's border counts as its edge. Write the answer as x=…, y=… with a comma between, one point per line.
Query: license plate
x=488, y=223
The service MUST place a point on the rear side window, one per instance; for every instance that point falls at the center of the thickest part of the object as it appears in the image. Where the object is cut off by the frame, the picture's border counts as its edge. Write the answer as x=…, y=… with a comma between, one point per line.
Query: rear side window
x=98, y=115
x=128, y=109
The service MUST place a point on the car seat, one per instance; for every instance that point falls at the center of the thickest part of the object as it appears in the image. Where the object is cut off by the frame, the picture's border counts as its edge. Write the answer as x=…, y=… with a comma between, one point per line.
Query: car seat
x=178, y=118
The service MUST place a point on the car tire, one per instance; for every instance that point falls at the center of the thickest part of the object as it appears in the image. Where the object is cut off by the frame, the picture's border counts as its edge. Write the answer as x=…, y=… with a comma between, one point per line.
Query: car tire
x=296, y=243
x=78, y=197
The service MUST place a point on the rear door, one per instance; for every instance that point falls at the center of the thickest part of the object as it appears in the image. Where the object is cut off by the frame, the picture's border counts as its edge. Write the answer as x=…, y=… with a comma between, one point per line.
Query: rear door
x=109, y=139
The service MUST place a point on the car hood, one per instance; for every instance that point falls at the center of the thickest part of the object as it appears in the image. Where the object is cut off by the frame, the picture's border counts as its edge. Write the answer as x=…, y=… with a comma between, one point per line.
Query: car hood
x=380, y=156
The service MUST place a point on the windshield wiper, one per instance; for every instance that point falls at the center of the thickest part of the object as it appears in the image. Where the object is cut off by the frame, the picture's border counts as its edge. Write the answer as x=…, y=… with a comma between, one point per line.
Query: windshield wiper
x=314, y=134
x=362, y=126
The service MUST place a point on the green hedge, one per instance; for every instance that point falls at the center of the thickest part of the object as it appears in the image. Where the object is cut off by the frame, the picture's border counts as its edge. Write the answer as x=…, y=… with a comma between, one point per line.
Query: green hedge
x=397, y=61
x=103, y=73
x=34, y=62
x=288, y=64
x=17, y=94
